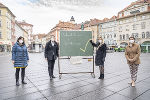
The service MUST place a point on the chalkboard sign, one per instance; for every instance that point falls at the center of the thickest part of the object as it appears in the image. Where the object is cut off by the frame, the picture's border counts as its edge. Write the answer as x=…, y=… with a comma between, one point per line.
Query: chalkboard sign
x=75, y=43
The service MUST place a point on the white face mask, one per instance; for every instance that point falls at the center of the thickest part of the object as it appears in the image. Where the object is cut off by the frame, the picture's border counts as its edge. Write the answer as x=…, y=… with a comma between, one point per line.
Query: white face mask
x=52, y=39
x=131, y=41
x=100, y=41
x=21, y=41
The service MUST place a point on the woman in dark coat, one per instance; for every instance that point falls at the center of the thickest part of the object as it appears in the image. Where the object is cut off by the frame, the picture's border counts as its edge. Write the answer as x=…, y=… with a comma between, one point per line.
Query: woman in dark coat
x=100, y=55
x=20, y=59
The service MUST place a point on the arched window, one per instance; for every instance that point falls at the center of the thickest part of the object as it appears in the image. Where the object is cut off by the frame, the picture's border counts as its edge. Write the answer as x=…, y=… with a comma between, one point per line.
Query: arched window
x=127, y=36
x=110, y=36
x=0, y=23
x=120, y=37
x=114, y=35
x=147, y=34
x=123, y=37
x=143, y=35
x=107, y=36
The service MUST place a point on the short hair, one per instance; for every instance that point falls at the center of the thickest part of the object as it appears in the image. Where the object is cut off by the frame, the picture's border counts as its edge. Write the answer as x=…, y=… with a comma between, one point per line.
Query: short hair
x=21, y=38
x=131, y=37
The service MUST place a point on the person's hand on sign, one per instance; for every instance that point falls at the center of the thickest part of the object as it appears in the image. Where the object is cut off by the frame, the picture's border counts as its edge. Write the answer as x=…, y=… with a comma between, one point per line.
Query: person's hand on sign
x=91, y=40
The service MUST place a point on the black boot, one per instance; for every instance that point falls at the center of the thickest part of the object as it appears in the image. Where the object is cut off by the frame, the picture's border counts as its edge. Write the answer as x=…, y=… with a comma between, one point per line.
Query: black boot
x=17, y=76
x=23, y=82
x=23, y=75
x=101, y=76
x=17, y=83
x=53, y=76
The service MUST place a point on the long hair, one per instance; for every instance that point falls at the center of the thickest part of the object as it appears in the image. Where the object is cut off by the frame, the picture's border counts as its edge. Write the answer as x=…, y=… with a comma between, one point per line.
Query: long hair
x=21, y=38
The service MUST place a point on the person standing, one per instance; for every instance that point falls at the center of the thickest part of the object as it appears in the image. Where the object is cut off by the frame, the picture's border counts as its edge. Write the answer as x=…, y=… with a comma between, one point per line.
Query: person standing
x=20, y=59
x=100, y=55
x=51, y=54
x=132, y=54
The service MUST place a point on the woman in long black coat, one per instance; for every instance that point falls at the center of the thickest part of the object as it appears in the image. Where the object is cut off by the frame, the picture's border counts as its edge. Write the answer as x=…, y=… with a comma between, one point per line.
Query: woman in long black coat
x=100, y=55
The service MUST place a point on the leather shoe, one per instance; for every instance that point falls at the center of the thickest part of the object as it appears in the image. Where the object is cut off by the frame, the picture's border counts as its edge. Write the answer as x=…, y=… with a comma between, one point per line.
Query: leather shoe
x=17, y=83
x=23, y=82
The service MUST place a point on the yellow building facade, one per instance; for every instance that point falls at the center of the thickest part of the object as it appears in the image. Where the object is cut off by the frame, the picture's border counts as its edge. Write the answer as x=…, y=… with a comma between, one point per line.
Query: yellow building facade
x=6, y=19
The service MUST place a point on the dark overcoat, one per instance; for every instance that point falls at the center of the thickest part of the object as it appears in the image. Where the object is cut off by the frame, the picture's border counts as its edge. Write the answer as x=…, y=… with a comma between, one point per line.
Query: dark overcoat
x=100, y=53
x=51, y=52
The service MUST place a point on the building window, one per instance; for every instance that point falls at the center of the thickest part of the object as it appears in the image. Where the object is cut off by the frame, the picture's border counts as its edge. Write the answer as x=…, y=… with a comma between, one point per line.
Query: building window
x=143, y=9
x=120, y=29
x=127, y=36
x=120, y=37
x=114, y=35
x=110, y=36
x=127, y=27
x=0, y=24
x=148, y=34
x=143, y=25
x=120, y=15
x=134, y=19
x=143, y=35
x=134, y=26
x=135, y=35
x=0, y=34
x=143, y=17
x=107, y=36
x=123, y=37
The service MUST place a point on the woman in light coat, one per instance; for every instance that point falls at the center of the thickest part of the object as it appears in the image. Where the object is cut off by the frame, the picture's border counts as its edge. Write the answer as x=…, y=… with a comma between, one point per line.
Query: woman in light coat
x=132, y=53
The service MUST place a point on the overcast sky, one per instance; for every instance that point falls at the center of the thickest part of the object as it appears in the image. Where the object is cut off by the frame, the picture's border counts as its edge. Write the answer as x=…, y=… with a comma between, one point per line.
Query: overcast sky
x=45, y=14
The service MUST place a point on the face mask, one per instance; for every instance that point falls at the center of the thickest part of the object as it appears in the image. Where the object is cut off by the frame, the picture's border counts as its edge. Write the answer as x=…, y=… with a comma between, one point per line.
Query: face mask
x=52, y=39
x=21, y=41
x=100, y=41
x=131, y=41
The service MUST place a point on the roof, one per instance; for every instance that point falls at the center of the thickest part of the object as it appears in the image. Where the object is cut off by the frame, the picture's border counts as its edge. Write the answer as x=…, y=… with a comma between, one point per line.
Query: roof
x=134, y=3
x=94, y=22
x=24, y=23
x=20, y=26
x=3, y=6
x=62, y=25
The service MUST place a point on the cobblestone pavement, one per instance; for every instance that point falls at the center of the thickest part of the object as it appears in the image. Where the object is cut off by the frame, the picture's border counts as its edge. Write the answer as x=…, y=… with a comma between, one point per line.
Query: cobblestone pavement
x=75, y=86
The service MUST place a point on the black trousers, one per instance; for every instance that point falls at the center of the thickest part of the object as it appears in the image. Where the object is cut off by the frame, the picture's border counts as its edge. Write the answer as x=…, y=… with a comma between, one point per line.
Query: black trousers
x=51, y=67
x=22, y=74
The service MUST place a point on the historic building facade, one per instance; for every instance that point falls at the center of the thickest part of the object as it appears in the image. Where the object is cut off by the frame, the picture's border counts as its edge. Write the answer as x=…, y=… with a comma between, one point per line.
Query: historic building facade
x=134, y=20
x=7, y=28
x=108, y=31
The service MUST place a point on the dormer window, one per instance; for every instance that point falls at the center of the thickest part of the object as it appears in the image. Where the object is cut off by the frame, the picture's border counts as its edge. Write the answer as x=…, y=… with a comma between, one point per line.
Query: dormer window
x=142, y=9
x=120, y=15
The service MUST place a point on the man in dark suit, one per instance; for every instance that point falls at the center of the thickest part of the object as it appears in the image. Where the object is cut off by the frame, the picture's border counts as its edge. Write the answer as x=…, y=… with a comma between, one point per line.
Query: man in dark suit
x=51, y=54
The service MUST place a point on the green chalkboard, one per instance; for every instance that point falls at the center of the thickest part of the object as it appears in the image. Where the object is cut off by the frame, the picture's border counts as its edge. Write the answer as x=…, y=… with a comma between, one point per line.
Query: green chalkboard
x=75, y=43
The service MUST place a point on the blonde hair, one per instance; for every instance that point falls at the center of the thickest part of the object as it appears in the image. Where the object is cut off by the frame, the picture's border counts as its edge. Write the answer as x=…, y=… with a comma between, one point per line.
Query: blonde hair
x=100, y=38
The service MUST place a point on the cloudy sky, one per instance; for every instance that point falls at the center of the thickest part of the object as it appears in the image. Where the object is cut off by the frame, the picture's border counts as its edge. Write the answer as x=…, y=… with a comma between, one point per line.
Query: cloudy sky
x=45, y=14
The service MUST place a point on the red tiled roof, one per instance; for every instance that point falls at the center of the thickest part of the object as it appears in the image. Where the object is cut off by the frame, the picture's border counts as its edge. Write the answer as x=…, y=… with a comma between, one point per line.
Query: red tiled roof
x=77, y=27
x=113, y=17
x=94, y=21
x=24, y=23
x=20, y=26
x=134, y=3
